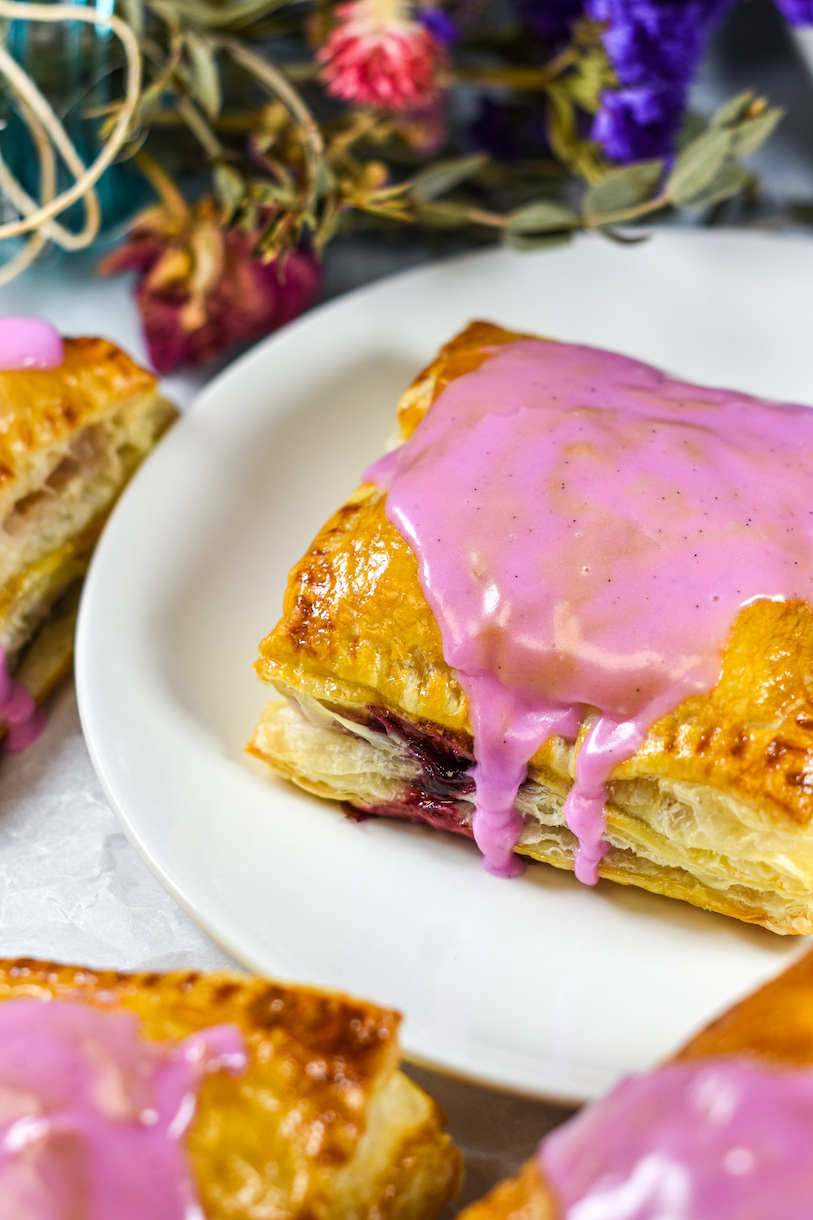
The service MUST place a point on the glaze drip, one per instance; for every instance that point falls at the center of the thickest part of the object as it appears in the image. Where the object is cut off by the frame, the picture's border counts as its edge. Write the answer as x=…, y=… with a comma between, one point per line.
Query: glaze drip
x=587, y=530
x=92, y=1117
x=23, y=720
x=723, y=1140
x=29, y=343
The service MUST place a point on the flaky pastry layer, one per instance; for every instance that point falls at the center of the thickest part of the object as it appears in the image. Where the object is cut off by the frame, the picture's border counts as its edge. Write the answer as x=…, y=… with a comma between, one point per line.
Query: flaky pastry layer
x=70, y=438
x=716, y=807
x=322, y=1126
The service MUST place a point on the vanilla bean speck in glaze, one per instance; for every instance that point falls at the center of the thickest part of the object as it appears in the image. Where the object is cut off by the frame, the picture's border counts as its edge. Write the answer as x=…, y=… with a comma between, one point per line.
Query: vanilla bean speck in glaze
x=587, y=530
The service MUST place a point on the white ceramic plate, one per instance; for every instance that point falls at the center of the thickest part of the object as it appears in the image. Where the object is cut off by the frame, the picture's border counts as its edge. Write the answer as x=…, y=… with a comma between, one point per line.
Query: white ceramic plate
x=538, y=984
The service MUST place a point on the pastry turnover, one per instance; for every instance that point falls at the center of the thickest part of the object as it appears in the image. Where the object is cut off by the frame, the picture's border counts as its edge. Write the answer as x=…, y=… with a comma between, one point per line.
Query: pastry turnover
x=322, y=1124
x=773, y=1027
x=70, y=438
x=715, y=807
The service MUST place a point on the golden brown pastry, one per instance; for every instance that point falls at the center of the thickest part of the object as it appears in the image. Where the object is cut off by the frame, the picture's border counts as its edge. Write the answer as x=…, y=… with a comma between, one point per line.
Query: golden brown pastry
x=70, y=438
x=774, y=1027
x=322, y=1124
x=714, y=807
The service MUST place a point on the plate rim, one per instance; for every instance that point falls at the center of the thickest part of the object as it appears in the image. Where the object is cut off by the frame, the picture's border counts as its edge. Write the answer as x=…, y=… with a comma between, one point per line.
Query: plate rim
x=258, y=354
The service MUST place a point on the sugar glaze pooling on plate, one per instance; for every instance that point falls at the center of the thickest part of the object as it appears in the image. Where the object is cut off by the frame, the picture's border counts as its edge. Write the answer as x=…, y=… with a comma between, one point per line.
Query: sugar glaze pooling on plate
x=586, y=530
x=722, y=1140
x=92, y=1116
x=25, y=344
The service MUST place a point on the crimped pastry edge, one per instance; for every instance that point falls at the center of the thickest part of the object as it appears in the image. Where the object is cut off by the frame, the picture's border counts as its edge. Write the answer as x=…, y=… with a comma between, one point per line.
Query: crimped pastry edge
x=330, y=1059
x=42, y=408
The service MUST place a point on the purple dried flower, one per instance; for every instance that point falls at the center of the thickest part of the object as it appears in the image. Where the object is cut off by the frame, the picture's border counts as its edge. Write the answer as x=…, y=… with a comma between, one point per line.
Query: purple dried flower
x=640, y=122
x=797, y=12
x=654, y=47
x=439, y=25
x=649, y=44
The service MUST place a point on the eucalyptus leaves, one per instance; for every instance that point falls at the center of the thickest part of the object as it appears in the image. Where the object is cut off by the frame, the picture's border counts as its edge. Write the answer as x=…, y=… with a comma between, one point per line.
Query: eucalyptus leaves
x=706, y=171
x=230, y=109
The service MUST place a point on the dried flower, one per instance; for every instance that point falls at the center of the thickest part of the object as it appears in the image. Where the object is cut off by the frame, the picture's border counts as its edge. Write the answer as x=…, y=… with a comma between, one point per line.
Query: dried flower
x=434, y=75
x=201, y=290
x=639, y=123
x=654, y=47
x=440, y=25
x=377, y=55
x=797, y=12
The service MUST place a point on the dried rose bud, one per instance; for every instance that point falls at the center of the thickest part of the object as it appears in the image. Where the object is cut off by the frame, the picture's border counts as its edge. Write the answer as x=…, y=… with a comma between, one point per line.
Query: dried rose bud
x=377, y=55
x=201, y=290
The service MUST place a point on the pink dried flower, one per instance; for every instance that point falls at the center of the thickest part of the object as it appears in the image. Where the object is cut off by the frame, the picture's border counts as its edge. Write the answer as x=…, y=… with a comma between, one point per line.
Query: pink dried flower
x=201, y=290
x=377, y=55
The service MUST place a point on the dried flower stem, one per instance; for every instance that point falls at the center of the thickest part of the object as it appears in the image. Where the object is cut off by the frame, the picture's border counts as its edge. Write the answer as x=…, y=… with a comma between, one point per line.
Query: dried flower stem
x=528, y=80
x=294, y=179
x=280, y=87
x=151, y=95
x=165, y=188
x=627, y=215
x=199, y=127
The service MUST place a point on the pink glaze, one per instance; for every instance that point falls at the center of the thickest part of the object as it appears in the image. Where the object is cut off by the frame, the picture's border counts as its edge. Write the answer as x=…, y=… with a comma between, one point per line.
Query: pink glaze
x=29, y=343
x=587, y=530
x=717, y=1140
x=92, y=1117
x=24, y=721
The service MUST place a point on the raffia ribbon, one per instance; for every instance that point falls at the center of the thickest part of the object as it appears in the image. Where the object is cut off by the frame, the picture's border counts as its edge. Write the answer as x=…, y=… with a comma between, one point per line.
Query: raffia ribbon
x=39, y=217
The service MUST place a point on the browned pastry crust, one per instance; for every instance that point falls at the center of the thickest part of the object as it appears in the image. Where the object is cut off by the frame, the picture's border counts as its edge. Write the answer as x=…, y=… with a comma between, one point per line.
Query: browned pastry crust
x=715, y=808
x=70, y=438
x=39, y=408
x=323, y=1126
x=774, y=1025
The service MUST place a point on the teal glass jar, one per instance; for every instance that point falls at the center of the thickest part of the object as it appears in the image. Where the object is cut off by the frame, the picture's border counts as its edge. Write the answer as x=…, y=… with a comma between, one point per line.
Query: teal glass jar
x=77, y=66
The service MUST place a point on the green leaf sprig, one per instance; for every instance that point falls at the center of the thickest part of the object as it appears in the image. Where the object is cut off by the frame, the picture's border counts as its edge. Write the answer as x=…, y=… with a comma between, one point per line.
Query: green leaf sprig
x=231, y=87
x=707, y=171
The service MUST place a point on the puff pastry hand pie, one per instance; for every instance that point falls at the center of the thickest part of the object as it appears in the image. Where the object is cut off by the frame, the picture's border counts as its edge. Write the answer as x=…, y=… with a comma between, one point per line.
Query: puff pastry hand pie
x=70, y=438
x=570, y=574
x=757, y=1056
x=163, y=1094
